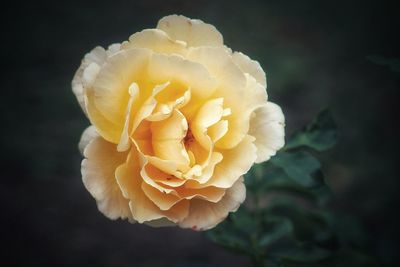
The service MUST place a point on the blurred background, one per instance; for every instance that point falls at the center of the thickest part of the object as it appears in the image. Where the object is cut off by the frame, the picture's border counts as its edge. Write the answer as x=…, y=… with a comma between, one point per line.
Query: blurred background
x=315, y=56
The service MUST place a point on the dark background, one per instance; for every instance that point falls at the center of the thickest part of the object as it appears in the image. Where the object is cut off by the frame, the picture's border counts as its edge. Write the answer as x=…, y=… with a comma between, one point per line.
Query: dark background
x=314, y=54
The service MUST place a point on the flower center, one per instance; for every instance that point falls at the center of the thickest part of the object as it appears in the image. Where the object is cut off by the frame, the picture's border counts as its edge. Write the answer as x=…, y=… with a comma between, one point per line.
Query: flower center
x=189, y=138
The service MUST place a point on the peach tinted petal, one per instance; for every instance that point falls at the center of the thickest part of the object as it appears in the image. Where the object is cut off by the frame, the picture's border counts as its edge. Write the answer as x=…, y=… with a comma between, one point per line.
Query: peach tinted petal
x=109, y=95
x=98, y=175
x=167, y=138
x=96, y=56
x=87, y=136
x=194, y=32
x=189, y=74
x=163, y=200
x=130, y=181
x=250, y=66
x=236, y=162
x=204, y=215
x=156, y=40
x=268, y=127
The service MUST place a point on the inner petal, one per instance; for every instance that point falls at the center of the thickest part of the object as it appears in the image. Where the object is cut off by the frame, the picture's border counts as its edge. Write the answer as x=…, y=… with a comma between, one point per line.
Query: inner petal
x=168, y=136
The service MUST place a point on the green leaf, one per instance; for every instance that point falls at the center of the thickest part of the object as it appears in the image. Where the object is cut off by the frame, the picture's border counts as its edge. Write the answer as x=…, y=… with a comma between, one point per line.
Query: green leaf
x=302, y=254
x=392, y=63
x=277, y=229
x=300, y=166
x=321, y=134
x=278, y=181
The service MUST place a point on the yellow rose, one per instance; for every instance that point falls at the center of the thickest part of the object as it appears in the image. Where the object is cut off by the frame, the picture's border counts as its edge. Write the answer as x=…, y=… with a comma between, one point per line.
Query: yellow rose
x=177, y=120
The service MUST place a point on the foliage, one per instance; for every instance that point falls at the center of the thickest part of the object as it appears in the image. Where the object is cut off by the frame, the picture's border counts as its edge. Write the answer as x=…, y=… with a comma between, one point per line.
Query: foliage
x=285, y=221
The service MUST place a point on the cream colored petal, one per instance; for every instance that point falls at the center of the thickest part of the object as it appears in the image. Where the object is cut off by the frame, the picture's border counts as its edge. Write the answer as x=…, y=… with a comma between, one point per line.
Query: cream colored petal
x=107, y=129
x=164, y=109
x=98, y=175
x=167, y=138
x=143, y=209
x=208, y=114
x=155, y=40
x=130, y=181
x=113, y=48
x=236, y=162
x=189, y=74
x=162, y=178
x=87, y=136
x=124, y=142
x=162, y=200
x=250, y=66
x=218, y=130
x=192, y=31
x=147, y=108
x=239, y=122
x=268, y=127
x=96, y=56
x=232, y=85
x=168, y=166
x=208, y=170
x=210, y=193
x=204, y=215
x=109, y=95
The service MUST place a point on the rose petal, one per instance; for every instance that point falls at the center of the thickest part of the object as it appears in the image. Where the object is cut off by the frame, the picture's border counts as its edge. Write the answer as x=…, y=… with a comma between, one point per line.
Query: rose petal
x=97, y=56
x=87, y=136
x=163, y=200
x=156, y=40
x=142, y=208
x=250, y=66
x=204, y=215
x=192, y=31
x=239, y=122
x=268, y=127
x=109, y=96
x=189, y=74
x=236, y=162
x=231, y=86
x=167, y=138
x=98, y=175
x=207, y=115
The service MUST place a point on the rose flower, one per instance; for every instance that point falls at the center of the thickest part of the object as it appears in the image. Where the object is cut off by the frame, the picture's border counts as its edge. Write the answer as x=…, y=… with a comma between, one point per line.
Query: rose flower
x=177, y=120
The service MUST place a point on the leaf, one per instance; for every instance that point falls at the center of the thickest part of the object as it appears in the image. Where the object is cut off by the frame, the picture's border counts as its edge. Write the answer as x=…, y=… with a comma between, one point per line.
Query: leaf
x=392, y=63
x=321, y=134
x=299, y=166
x=279, y=228
x=278, y=180
x=303, y=254
x=234, y=232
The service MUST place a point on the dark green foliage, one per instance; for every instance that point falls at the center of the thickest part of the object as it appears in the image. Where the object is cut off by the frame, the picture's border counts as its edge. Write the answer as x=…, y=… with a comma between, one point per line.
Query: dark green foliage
x=321, y=134
x=284, y=221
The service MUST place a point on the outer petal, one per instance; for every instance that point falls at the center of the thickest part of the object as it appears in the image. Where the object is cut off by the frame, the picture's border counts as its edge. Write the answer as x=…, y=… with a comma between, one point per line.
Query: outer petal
x=236, y=162
x=241, y=93
x=267, y=126
x=142, y=208
x=250, y=66
x=129, y=180
x=98, y=177
x=204, y=215
x=87, y=136
x=97, y=56
x=190, y=74
x=192, y=31
x=155, y=40
x=109, y=95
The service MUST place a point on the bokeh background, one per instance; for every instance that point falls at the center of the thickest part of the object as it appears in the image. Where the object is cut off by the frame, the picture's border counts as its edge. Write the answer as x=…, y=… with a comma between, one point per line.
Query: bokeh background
x=315, y=56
